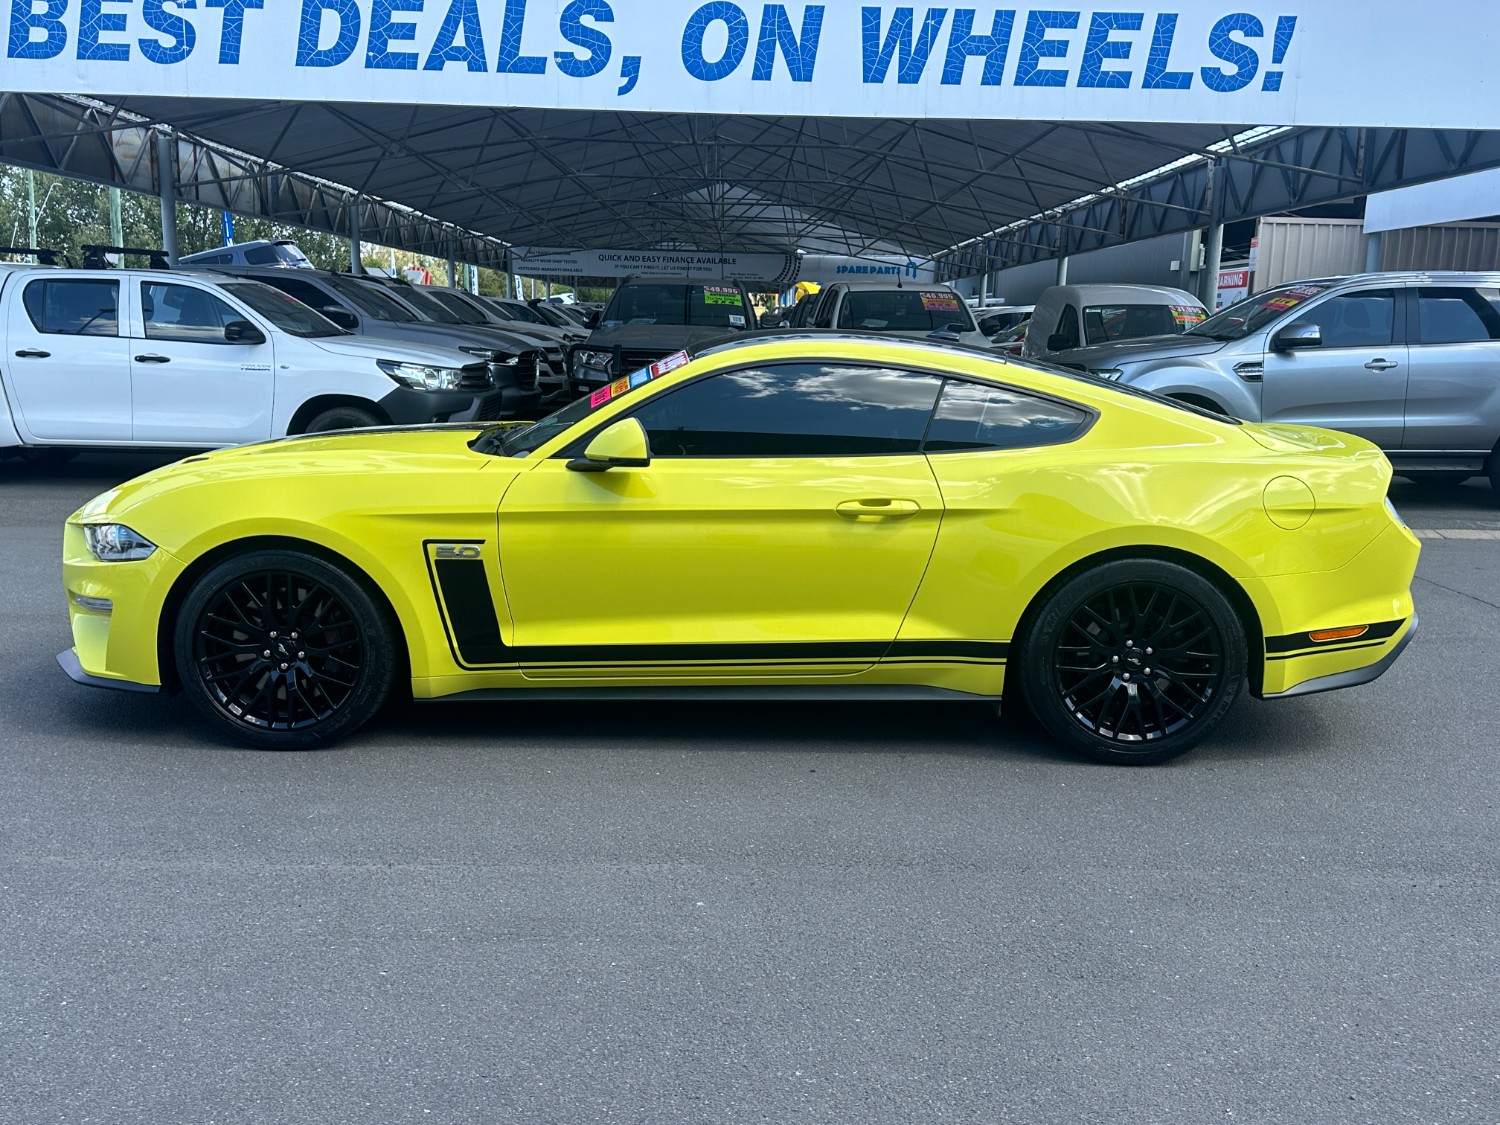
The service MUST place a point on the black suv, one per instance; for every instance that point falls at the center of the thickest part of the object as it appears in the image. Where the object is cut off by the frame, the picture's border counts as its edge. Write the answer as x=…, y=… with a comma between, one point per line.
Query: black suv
x=652, y=317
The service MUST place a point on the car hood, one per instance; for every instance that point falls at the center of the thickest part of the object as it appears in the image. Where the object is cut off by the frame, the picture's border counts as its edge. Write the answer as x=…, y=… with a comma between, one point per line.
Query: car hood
x=1142, y=347
x=668, y=337
x=375, y=347
x=404, y=450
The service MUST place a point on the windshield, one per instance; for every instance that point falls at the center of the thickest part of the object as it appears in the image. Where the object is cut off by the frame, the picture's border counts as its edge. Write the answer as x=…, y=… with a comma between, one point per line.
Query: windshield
x=466, y=313
x=372, y=302
x=904, y=310
x=277, y=254
x=1254, y=313
x=518, y=441
x=714, y=306
x=284, y=311
x=1103, y=324
x=556, y=319
x=432, y=310
x=513, y=311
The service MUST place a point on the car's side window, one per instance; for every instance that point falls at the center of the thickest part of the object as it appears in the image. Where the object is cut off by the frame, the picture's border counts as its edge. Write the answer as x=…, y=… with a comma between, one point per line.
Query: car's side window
x=793, y=410
x=181, y=312
x=1456, y=315
x=1065, y=335
x=974, y=416
x=309, y=295
x=1354, y=320
x=82, y=307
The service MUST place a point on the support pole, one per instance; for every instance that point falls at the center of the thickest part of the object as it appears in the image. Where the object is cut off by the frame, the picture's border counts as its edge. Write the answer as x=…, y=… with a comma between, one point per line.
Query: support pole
x=356, y=246
x=30, y=207
x=1213, y=260
x=1062, y=270
x=166, y=185
x=452, y=269
x=116, y=222
x=1374, y=244
x=984, y=289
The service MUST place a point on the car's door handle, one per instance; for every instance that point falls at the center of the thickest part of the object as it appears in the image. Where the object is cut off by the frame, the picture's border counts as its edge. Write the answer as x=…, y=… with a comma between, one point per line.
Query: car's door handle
x=152, y=357
x=1381, y=365
x=880, y=509
x=33, y=353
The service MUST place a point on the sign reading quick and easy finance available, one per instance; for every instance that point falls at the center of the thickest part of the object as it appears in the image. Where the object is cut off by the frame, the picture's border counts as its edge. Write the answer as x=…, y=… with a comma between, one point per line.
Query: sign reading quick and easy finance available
x=1316, y=62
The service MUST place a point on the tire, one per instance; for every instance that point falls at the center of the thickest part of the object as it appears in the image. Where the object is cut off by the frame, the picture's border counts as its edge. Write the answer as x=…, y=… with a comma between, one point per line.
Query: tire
x=343, y=418
x=1173, y=630
x=333, y=650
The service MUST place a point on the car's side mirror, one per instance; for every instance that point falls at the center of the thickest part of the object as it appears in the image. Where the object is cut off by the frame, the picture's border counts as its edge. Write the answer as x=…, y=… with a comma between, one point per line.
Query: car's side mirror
x=623, y=445
x=340, y=316
x=243, y=332
x=1057, y=342
x=1297, y=336
x=593, y=320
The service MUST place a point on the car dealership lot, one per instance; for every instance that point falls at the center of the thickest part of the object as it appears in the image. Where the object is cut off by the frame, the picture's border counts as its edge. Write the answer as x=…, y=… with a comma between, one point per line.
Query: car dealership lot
x=726, y=913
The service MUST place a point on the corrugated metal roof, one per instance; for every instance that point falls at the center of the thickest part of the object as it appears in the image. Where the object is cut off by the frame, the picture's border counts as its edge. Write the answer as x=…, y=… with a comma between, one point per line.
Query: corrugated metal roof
x=589, y=179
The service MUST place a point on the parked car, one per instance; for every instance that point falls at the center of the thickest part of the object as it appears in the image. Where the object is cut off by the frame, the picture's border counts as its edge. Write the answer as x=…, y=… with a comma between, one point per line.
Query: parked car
x=788, y=516
x=1001, y=319
x=801, y=313
x=424, y=302
x=1410, y=361
x=1075, y=316
x=531, y=320
x=649, y=318
x=888, y=308
x=282, y=253
x=1012, y=341
x=367, y=311
x=179, y=359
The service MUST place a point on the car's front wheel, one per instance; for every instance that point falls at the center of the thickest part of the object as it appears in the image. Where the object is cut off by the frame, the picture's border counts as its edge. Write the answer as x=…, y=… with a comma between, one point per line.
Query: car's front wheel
x=283, y=650
x=1133, y=662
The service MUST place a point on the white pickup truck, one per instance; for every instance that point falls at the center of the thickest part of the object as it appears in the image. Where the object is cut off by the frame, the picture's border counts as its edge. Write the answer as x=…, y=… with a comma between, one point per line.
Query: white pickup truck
x=141, y=358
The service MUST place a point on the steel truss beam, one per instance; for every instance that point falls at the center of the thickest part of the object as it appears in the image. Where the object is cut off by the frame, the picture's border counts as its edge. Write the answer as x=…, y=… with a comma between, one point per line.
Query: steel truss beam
x=1292, y=170
x=90, y=141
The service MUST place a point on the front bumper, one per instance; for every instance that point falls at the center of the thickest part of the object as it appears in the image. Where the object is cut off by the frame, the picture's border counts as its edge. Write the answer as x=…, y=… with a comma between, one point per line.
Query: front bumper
x=407, y=406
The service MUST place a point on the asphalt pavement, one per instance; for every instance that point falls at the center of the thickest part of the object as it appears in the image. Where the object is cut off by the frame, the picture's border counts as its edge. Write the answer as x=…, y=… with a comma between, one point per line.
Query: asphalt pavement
x=802, y=913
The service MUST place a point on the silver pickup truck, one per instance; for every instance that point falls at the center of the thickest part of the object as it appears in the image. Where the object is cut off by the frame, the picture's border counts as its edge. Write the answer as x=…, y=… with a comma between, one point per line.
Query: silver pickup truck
x=1409, y=360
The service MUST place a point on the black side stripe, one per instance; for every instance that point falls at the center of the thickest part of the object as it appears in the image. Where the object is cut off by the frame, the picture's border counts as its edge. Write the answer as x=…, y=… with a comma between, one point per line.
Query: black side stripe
x=1291, y=642
x=475, y=633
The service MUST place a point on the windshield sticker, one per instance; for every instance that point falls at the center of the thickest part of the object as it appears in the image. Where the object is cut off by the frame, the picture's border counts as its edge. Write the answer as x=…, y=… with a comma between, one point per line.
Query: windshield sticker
x=939, y=302
x=637, y=379
x=736, y=321
x=1188, y=314
x=1291, y=298
x=720, y=295
x=670, y=363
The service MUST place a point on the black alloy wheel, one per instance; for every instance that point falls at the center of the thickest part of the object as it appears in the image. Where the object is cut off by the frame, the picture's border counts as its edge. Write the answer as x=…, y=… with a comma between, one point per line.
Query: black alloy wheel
x=283, y=650
x=1134, y=662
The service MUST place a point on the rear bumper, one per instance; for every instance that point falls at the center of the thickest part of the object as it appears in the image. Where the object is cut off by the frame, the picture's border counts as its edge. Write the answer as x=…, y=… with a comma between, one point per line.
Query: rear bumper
x=1354, y=676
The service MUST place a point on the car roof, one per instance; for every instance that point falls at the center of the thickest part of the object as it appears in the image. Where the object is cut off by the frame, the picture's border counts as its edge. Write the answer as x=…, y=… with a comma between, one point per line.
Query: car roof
x=894, y=283
x=1166, y=294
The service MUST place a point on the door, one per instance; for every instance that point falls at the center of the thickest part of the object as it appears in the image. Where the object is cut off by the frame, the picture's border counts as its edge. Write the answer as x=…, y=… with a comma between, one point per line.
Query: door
x=68, y=364
x=782, y=527
x=1355, y=381
x=1453, y=397
x=191, y=383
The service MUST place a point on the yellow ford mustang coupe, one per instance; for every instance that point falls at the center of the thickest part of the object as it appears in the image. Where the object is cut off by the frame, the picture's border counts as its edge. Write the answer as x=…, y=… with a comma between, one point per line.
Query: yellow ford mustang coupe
x=789, y=517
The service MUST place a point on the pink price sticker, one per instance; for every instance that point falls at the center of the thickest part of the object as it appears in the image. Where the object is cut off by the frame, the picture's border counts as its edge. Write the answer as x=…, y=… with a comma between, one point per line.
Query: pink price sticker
x=600, y=397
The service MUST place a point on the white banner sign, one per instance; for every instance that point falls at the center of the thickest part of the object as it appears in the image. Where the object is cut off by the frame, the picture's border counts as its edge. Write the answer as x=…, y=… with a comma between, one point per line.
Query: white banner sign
x=1294, y=62
x=778, y=270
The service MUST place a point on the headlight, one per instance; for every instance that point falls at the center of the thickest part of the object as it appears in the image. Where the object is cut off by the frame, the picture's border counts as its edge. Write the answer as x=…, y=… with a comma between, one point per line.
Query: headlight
x=421, y=376
x=1111, y=373
x=587, y=357
x=1395, y=515
x=114, y=542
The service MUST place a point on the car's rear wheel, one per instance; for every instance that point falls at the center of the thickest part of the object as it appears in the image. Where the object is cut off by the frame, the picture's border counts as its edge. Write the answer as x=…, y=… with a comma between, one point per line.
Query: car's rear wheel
x=284, y=650
x=1133, y=662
